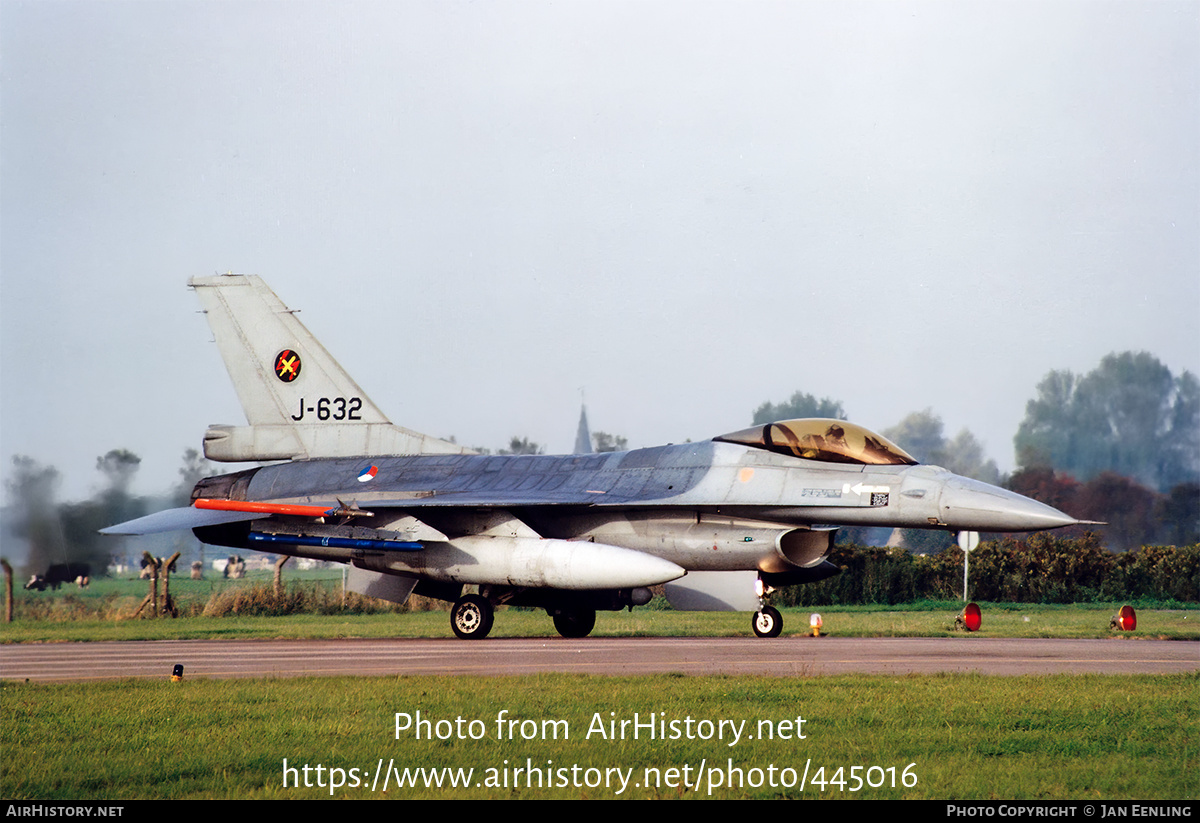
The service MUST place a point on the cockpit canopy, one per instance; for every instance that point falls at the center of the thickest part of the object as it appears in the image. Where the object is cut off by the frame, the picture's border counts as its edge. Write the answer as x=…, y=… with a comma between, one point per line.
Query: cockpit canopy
x=833, y=441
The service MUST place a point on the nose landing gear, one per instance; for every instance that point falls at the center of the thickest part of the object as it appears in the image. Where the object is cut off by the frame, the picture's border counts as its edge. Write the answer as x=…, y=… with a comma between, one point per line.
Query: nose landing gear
x=767, y=622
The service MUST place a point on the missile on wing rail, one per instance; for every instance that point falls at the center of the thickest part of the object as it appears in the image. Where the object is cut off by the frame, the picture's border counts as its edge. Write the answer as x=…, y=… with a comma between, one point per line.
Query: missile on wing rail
x=266, y=540
x=280, y=508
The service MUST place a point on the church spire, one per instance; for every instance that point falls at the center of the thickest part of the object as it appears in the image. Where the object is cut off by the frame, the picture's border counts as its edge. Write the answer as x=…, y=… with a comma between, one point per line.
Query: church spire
x=583, y=437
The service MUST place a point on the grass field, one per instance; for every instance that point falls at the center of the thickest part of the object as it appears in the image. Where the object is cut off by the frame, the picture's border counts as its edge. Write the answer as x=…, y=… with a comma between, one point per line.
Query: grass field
x=960, y=737
x=937, y=737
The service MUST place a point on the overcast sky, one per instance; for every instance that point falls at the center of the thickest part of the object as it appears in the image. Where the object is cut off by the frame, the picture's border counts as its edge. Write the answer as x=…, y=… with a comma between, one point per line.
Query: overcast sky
x=687, y=208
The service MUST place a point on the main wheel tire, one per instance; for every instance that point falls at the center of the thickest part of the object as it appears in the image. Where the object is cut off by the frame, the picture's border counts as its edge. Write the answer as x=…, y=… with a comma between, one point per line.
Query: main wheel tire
x=575, y=624
x=472, y=617
x=768, y=622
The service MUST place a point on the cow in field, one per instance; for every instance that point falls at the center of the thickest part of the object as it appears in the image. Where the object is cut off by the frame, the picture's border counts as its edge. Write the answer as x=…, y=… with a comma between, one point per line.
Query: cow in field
x=61, y=573
x=235, y=567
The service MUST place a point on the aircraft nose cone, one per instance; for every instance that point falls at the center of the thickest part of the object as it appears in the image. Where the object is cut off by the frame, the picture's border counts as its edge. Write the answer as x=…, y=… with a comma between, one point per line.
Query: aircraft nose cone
x=971, y=504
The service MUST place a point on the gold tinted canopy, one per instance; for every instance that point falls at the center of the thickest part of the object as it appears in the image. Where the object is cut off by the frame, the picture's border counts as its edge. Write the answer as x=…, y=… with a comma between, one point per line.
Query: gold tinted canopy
x=833, y=441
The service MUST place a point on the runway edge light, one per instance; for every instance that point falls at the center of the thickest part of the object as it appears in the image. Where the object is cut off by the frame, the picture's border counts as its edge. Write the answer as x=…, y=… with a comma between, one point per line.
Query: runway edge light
x=970, y=619
x=177, y=673
x=814, y=623
x=1124, y=620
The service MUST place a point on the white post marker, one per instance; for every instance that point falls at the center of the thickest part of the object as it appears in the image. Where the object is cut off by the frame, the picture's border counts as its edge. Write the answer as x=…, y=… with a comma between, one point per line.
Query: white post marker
x=967, y=541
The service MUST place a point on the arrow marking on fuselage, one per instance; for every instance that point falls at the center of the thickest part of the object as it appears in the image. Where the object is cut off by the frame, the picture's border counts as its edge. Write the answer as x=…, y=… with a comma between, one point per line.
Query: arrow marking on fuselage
x=859, y=488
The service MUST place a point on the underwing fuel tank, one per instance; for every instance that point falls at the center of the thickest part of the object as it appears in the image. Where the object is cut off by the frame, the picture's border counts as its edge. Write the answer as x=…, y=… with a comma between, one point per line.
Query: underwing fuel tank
x=530, y=562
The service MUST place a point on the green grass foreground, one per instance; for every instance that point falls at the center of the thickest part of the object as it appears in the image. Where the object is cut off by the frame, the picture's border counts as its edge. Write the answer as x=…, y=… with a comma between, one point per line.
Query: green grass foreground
x=940, y=737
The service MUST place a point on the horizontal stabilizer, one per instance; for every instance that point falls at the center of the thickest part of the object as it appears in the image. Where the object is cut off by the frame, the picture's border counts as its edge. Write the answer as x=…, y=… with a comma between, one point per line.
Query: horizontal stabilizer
x=173, y=520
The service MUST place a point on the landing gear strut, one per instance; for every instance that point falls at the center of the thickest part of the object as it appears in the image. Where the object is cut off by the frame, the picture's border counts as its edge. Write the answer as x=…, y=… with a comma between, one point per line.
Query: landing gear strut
x=575, y=623
x=767, y=622
x=471, y=617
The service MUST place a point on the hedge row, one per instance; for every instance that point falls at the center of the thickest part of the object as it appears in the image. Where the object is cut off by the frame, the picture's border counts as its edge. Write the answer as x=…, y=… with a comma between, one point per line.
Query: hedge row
x=1042, y=568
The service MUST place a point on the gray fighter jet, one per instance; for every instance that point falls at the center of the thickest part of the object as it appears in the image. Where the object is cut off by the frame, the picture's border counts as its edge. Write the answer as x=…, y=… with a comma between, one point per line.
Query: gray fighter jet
x=722, y=523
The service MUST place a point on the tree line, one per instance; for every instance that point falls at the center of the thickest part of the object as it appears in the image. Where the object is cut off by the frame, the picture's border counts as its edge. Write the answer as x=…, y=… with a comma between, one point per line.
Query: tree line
x=62, y=532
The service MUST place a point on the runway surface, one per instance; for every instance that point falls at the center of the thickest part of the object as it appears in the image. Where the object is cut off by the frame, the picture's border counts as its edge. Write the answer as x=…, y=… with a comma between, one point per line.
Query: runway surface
x=780, y=657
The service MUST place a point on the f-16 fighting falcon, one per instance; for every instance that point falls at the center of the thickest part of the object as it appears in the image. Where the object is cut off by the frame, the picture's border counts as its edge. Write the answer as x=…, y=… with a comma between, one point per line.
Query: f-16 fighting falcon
x=722, y=523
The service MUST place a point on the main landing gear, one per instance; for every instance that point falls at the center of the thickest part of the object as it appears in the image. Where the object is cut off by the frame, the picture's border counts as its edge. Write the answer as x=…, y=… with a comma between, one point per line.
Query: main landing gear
x=577, y=623
x=471, y=617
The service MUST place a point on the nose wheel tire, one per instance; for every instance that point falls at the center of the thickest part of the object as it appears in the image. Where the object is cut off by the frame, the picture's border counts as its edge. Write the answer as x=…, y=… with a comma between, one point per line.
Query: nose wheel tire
x=575, y=624
x=767, y=622
x=472, y=617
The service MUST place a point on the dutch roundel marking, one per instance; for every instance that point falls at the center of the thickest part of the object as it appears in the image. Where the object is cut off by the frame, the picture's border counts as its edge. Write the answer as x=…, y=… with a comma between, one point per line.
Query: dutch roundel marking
x=368, y=474
x=287, y=365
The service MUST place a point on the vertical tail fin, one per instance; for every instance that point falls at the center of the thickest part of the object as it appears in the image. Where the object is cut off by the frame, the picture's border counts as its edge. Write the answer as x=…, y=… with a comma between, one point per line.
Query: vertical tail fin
x=298, y=401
